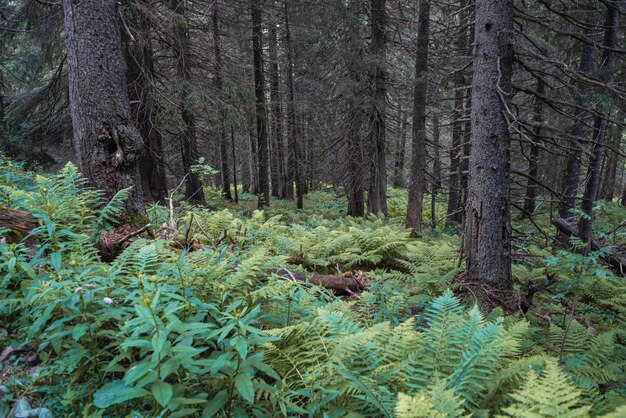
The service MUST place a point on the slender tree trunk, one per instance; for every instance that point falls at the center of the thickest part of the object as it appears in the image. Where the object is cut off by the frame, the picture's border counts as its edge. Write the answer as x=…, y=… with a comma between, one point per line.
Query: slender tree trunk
x=253, y=160
x=533, y=163
x=585, y=224
x=246, y=181
x=232, y=143
x=398, y=169
x=107, y=145
x=454, y=214
x=261, y=108
x=219, y=68
x=417, y=179
x=607, y=189
x=294, y=158
x=189, y=141
x=140, y=76
x=436, y=172
x=377, y=193
x=278, y=152
x=571, y=178
x=487, y=225
x=2, y=122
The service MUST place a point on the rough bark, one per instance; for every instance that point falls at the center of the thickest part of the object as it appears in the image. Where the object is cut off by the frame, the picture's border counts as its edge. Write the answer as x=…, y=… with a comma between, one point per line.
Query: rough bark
x=417, y=178
x=219, y=68
x=377, y=192
x=487, y=224
x=342, y=284
x=533, y=163
x=277, y=154
x=188, y=138
x=261, y=107
x=18, y=222
x=585, y=224
x=107, y=145
x=398, y=167
x=355, y=118
x=140, y=63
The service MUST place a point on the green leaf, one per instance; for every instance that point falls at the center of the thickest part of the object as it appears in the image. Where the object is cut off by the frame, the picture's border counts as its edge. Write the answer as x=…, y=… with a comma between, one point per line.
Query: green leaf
x=244, y=386
x=215, y=404
x=162, y=392
x=116, y=392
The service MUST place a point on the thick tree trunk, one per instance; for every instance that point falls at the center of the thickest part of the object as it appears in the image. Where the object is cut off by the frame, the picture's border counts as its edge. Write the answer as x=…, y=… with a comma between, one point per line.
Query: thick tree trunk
x=398, y=167
x=533, y=163
x=219, y=68
x=140, y=63
x=377, y=193
x=571, y=177
x=355, y=118
x=107, y=144
x=609, y=177
x=188, y=138
x=487, y=224
x=417, y=178
x=261, y=108
x=18, y=222
x=585, y=224
x=278, y=152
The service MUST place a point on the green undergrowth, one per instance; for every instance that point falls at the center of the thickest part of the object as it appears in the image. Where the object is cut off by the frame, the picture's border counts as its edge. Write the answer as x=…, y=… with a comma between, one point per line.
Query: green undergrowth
x=200, y=325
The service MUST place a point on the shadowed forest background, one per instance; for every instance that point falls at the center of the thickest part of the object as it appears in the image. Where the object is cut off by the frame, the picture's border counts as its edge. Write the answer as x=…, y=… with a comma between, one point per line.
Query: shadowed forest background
x=355, y=208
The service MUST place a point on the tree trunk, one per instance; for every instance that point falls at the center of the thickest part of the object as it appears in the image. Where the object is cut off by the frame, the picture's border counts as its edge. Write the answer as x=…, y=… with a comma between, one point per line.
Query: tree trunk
x=417, y=178
x=189, y=142
x=607, y=188
x=585, y=224
x=398, y=167
x=377, y=193
x=487, y=224
x=454, y=214
x=571, y=178
x=278, y=152
x=232, y=143
x=261, y=108
x=107, y=145
x=219, y=68
x=253, y=166
x=140, y=63
x=355, y=119
x=533, y=163
x=294, y=168
x=436, y=172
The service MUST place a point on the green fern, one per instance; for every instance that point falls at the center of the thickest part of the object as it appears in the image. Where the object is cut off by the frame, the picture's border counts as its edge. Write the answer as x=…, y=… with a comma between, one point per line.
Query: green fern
x=550, y=394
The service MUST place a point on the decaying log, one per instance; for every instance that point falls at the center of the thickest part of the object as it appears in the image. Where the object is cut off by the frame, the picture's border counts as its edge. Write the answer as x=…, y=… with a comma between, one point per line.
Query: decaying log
x=616, y=259
x=19, y=222
x=347, y=283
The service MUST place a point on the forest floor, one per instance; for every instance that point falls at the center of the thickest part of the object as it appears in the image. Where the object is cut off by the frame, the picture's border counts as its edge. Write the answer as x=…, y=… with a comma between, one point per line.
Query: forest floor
x=230, y=311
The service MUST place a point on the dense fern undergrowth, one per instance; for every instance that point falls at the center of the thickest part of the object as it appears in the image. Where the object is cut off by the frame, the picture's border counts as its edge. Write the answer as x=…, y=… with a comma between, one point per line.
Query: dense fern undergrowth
x=206, y=328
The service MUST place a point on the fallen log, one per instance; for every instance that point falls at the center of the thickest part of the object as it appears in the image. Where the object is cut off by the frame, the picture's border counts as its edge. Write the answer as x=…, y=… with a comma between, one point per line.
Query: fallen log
x=347, y=283
x=19, y=222
x=616, y=259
